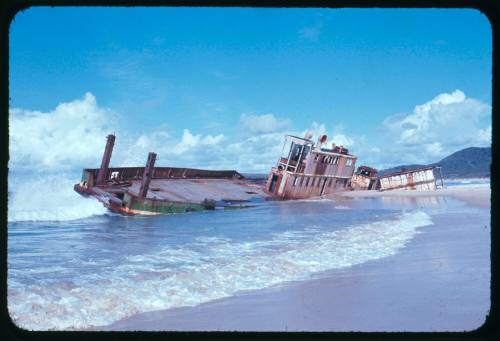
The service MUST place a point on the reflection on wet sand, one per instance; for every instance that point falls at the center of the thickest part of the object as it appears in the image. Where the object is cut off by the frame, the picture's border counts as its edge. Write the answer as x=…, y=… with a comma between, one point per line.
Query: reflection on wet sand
x=430, y=201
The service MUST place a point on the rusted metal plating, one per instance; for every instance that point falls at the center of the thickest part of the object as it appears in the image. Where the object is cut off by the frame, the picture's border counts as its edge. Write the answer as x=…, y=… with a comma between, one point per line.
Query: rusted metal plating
x=154, y=190
x=422, y=179
x=148, y=174
x=308, y=170
x=365, y=178
x=106, y=157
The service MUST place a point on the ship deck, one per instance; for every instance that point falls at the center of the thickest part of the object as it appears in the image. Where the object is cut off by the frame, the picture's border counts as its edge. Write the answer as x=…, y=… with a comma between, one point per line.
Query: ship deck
x=197, y=190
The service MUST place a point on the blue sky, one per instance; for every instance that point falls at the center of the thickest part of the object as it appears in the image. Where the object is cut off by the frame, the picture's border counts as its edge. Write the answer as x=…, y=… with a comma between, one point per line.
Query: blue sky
x=218, y=88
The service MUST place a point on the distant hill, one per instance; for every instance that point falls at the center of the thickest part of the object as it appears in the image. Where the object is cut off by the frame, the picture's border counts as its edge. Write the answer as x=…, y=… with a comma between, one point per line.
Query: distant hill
x=473, y=162
x=399, y=168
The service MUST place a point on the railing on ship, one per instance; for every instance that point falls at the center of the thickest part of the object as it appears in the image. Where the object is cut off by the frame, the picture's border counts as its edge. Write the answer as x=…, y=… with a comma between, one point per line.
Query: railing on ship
x=135, y=173
x=291, y=165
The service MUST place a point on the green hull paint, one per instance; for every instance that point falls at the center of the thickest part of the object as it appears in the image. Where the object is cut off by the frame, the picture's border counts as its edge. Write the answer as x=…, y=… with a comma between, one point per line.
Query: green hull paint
x=237, y=207
x=167, y=207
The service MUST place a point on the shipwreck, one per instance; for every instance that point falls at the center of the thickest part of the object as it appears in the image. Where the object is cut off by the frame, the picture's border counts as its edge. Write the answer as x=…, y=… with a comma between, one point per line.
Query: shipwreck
x=365, y=178
x=151, y=190
x=307, y=169
x=421, y=179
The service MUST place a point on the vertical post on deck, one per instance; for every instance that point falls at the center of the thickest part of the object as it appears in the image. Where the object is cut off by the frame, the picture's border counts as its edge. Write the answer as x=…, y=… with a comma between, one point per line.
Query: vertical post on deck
x=441, y=176
x=147, y=175
x=281, y=155
x=106, y=157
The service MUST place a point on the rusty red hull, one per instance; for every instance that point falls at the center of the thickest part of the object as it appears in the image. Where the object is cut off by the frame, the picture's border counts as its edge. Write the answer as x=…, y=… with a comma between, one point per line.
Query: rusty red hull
x=171, y=190
x=307, y=170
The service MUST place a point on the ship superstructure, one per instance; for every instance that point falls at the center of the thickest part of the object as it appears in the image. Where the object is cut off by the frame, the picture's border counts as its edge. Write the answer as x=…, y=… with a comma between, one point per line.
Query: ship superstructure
x=306, y=169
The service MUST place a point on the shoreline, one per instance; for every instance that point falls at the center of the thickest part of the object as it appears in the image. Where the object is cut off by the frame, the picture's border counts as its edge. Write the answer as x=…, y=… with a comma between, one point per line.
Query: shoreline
x=438, y=282
x=478, y=196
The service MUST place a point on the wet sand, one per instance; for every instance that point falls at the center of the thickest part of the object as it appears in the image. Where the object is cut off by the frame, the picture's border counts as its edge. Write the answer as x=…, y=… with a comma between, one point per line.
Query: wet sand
x=473, y=195
x=439, y=282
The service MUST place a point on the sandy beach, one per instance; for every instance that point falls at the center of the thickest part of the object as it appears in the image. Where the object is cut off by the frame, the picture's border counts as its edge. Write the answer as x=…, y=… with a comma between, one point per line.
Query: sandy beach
x=476, y=196
x=440, y=281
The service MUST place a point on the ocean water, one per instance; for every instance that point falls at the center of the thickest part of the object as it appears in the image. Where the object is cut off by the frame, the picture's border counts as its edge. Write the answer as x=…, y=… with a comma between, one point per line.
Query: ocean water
x=473, y=182
x=73, y=265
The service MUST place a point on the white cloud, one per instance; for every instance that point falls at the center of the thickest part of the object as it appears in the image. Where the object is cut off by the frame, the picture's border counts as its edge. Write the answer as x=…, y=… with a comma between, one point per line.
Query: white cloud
x=341, y=138
x=263, y=124
x=316, y=130
x=170, y=150
x=151, y=140
x=445, y=124
x=70, y=134
x=338, y=135
x=484, y=135
x=191, y=141
x=255, y=153
x=74, y=135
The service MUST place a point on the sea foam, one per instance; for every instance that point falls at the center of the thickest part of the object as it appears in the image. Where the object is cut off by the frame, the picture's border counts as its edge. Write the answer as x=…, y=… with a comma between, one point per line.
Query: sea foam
x=207, y=269
x=48, y=198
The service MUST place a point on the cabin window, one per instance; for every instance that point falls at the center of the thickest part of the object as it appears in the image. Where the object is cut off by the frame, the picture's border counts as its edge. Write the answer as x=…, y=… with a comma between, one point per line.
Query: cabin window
x=306, y=150
x=348, y=162
x=295, y=152
x=316, y=156
x=336, y=160
x=307, y=182
x=323, y=159
x=295, y=181
x=301, y=181
x=312, y=183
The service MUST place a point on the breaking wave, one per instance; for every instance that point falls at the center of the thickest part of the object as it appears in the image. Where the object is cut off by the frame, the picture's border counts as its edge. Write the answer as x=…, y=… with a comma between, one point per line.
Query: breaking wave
x=208, y=268
x=48, y=198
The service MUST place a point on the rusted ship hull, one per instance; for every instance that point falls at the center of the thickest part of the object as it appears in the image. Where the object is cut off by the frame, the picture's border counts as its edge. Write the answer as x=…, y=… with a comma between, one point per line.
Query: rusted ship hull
x=154, y=190
x=365, y=178
x=421, y=179
x=172, y=194
x=287, y=185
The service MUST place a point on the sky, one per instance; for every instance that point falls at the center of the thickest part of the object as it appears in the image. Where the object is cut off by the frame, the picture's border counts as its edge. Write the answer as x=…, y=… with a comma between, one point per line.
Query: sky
x=218, y=88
